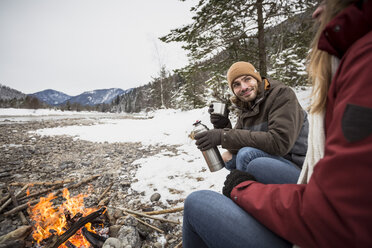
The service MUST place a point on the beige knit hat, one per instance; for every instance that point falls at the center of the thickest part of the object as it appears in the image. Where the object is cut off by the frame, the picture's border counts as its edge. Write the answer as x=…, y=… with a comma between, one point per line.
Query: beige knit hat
x=239, y=69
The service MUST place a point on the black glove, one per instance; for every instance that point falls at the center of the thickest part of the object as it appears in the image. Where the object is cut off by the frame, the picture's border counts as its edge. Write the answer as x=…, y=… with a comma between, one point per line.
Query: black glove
x=233, y=179
x=208, y=139
x=219, y=121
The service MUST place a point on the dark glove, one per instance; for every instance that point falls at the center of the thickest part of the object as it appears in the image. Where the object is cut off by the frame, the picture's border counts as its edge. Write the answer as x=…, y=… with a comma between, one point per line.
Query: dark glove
x=208, y=139
x=233, y=179
x=219, y=121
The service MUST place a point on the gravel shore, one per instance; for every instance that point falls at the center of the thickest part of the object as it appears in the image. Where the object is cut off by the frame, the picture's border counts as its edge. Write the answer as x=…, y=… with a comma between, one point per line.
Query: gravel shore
x=27, y=157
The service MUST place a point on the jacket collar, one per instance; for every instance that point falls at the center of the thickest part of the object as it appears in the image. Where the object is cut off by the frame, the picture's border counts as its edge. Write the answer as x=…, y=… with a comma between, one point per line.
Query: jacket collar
x=265, y=86
x=347, y=27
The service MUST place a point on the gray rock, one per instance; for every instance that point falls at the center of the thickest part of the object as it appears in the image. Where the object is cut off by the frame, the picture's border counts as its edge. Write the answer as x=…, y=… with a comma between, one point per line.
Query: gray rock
x=155, y=197
x=112, y=243
x=129, y=237
x=114, y=230
x=158, y=245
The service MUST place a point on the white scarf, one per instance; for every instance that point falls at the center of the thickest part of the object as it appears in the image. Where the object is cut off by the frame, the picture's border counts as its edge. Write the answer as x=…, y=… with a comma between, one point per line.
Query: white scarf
x=315, y=146
x=315, y=140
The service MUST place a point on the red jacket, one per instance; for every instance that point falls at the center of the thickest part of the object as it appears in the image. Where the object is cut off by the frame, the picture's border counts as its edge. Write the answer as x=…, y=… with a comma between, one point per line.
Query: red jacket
x=335, y=208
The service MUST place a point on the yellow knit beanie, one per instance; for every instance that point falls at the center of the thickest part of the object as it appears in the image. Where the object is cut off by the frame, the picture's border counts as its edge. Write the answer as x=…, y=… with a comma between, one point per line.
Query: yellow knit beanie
x=239, y=69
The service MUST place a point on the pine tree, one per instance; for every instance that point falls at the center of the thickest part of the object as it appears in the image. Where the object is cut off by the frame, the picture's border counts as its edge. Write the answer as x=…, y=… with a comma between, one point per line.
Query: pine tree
x=224, y=32
x=289, y=68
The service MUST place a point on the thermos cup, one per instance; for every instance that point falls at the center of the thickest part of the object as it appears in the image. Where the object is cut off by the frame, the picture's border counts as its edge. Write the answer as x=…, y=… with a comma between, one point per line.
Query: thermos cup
x=212, y=156
x=219, y=109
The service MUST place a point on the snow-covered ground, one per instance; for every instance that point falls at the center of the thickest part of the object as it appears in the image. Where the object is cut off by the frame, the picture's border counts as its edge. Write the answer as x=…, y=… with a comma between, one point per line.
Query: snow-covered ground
x=174, y=176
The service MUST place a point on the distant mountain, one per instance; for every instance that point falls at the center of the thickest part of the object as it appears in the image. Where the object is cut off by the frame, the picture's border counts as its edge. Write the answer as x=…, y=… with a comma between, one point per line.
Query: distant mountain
x=51, y=97
x=96, y=96
x=7, y=93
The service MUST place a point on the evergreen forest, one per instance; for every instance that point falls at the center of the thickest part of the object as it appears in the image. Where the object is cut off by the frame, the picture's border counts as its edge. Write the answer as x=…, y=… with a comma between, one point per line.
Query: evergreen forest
x=274, y=36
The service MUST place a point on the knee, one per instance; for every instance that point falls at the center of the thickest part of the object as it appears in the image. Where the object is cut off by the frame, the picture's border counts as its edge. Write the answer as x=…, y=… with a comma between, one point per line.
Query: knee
x=256, y=163
x=191, y=199
x=196, y=204
x=245, y=156
x=194, y=201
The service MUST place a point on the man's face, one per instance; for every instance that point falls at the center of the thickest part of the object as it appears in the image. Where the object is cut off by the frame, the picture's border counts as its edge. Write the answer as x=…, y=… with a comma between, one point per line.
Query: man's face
x=245, y=88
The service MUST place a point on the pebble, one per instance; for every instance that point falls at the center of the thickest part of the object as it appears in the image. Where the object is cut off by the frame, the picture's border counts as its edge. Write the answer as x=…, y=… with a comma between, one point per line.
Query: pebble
x=155, y=197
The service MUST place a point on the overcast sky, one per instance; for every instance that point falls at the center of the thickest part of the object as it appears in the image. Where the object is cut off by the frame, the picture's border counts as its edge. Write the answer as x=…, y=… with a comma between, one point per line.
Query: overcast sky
x=80, y=45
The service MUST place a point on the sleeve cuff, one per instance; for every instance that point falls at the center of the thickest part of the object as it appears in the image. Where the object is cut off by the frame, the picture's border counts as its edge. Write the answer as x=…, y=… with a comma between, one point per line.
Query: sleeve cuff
x=236, y=192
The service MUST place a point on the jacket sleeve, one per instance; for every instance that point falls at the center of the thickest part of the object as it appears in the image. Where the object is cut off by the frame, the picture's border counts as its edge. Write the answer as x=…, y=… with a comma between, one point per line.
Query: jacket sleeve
x=334, y=208
x=285, y=119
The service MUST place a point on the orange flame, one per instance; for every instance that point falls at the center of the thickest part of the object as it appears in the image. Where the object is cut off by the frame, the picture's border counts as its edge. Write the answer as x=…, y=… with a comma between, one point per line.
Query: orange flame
x=49, y=219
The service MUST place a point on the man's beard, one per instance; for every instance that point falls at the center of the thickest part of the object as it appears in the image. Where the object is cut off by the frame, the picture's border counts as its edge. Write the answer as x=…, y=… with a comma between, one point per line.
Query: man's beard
x=253, y=94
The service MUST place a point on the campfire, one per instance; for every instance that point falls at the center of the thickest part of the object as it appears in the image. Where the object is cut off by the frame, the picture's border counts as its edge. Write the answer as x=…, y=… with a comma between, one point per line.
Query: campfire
x=66, y=226
x=60, y=220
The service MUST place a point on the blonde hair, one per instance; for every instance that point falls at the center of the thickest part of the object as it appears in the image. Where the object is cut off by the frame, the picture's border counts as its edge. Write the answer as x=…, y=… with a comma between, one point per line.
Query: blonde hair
x=319, y=66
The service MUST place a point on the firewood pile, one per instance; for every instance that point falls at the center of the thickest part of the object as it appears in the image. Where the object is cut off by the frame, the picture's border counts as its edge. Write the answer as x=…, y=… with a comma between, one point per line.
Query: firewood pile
x=33, y=167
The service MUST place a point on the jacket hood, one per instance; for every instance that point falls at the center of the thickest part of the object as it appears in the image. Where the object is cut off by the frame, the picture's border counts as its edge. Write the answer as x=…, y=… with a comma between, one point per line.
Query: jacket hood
x=347, y=27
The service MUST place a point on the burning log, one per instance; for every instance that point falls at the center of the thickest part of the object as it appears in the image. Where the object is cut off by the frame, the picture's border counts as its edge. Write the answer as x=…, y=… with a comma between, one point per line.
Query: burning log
x=61, y=185
x=70, y=245
x=40, y=192
x=74, y=228
x=24, y=206
x=94, y=239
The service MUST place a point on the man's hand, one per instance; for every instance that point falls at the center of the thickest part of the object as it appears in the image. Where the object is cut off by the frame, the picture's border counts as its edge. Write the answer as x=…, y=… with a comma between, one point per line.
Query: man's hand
x=208, y=139
x=226, y=156
x=233, y=179
x=219, y=121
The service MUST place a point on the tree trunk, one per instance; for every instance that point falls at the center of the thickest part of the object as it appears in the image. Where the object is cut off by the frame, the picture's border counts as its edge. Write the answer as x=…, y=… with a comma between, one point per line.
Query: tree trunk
x=261, y=39
x=162, y=93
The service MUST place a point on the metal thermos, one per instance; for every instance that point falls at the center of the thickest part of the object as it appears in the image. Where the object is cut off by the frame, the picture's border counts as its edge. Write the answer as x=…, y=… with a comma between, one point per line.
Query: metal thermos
x=212, y=156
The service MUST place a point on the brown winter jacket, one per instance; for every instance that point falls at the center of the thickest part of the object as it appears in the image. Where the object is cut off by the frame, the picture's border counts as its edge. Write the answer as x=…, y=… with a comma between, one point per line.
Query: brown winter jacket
x=275, y=123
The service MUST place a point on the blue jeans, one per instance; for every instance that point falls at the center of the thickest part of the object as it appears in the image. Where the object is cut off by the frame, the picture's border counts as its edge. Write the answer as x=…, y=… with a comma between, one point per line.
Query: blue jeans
x=264, y=167
x=212, y=220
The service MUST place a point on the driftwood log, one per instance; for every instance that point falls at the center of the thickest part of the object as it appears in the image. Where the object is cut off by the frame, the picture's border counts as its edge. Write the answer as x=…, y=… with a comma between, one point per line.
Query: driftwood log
x=165, y=211
x=145, y=223
x=13, y=244
x=18, y=234
x=104, y=192
x=142, y=214
x=15, y=203
x=43, y=183
x=20, y=207
x=179, y=245
x=10, y=200
x=4, y=199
